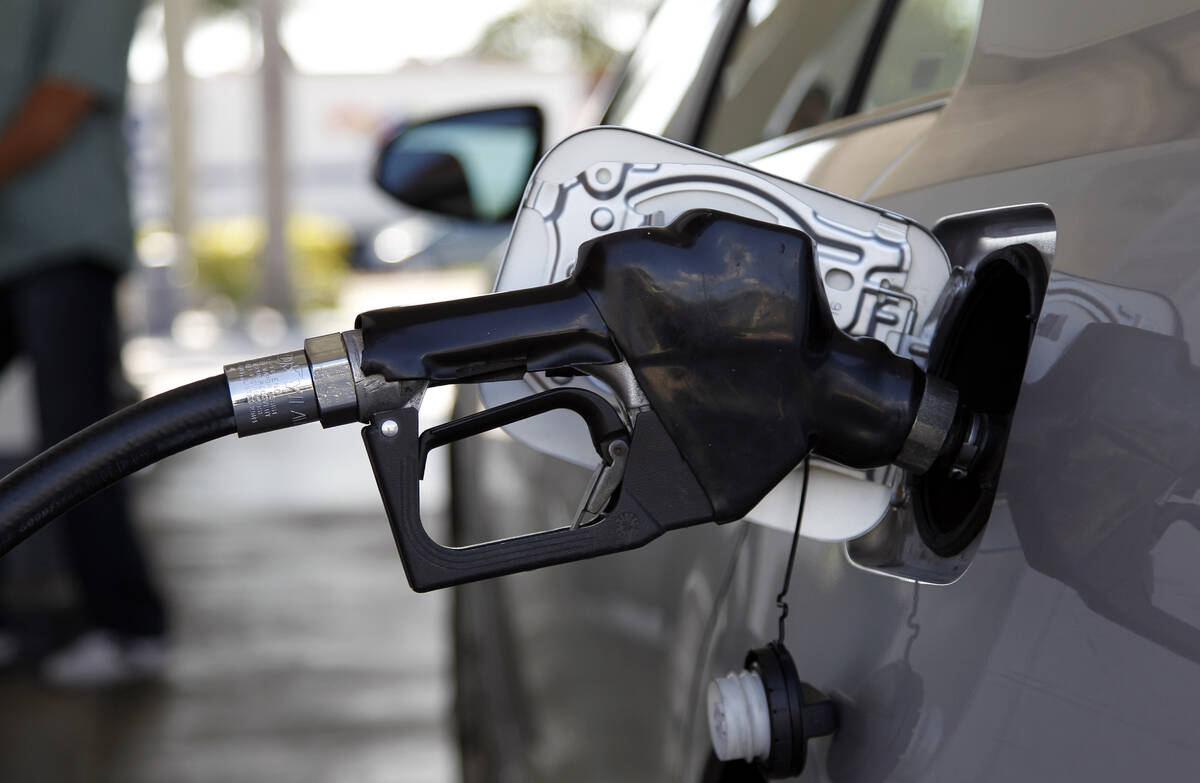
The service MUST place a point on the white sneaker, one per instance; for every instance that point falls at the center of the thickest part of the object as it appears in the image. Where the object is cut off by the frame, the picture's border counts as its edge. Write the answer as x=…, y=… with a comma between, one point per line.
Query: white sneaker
x=100, y=658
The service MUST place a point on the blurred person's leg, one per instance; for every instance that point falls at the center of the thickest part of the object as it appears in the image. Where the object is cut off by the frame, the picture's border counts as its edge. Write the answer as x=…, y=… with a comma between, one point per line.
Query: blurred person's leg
x=65, y=314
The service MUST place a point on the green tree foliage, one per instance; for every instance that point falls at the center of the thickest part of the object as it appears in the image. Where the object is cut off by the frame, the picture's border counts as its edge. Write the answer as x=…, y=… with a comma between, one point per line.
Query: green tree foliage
x=549, y=23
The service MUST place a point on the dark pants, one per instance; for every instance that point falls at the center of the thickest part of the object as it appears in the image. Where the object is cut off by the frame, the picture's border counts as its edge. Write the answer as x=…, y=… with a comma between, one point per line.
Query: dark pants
x=62, y=318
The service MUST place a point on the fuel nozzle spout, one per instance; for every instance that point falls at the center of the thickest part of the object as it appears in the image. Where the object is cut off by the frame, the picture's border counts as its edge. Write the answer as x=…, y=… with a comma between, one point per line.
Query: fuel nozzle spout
x=725, y=326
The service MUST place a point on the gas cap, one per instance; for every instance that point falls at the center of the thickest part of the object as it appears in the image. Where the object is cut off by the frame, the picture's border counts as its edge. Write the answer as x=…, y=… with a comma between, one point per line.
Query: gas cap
x=765, y=714
x=738, y=717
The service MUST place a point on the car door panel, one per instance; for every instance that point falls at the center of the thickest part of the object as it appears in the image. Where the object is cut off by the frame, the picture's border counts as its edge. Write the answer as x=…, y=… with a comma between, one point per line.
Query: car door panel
x=849, y=160
x=1069, y=648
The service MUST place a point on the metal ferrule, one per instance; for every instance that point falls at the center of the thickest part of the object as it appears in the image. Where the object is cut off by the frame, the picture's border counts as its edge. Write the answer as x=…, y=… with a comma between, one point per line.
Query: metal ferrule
x=935, y=417
x=333, y=379
x=272, y=393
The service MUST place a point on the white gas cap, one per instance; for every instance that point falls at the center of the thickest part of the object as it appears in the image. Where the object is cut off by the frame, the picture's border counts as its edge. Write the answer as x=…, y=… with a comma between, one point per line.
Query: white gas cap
x=738, y=720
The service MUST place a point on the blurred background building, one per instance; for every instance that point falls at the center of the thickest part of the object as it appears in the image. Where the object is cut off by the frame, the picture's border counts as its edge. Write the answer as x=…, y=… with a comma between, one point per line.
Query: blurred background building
x=273, y=111
x=299, y=652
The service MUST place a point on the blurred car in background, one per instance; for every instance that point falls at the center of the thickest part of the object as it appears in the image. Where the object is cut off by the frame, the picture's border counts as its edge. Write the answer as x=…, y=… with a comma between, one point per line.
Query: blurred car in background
x=429, y=242
x=1070, y=648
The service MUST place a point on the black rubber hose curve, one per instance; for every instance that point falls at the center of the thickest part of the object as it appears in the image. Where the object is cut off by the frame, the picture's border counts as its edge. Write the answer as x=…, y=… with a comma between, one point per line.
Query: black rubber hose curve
x=109, y=450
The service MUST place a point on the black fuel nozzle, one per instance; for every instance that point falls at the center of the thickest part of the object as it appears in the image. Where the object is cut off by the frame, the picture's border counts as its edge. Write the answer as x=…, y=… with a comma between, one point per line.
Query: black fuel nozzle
x=739, y=370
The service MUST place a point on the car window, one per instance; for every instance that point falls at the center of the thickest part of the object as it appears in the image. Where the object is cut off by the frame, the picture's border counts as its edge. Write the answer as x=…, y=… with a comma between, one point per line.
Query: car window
x=789, y=68
x=664, y=73
x=924, y=51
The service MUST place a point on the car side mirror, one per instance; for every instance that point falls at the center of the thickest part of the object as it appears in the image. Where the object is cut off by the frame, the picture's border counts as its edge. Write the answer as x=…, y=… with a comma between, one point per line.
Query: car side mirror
x=472, y=165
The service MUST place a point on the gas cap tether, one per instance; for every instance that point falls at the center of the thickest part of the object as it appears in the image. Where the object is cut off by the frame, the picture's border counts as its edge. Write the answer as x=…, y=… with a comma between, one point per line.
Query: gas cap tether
x=765, y=715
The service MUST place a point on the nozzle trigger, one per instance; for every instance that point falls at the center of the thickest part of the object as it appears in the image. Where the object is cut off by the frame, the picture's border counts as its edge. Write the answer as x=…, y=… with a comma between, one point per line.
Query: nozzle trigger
x=624, y=509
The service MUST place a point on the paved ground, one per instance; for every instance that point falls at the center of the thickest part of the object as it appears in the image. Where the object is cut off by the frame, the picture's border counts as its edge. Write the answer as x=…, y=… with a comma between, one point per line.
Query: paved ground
x=300, y=653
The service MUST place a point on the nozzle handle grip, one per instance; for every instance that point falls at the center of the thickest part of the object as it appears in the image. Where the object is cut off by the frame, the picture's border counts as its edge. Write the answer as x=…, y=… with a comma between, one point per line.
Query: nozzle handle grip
x=659, y=493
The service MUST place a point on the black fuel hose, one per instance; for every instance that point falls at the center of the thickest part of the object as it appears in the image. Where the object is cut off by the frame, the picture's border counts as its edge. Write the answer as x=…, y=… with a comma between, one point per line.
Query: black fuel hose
x=109, y=450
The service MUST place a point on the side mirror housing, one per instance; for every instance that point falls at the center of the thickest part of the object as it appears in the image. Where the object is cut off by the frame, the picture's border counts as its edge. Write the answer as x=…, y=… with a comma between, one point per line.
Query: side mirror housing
x=472, y=165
